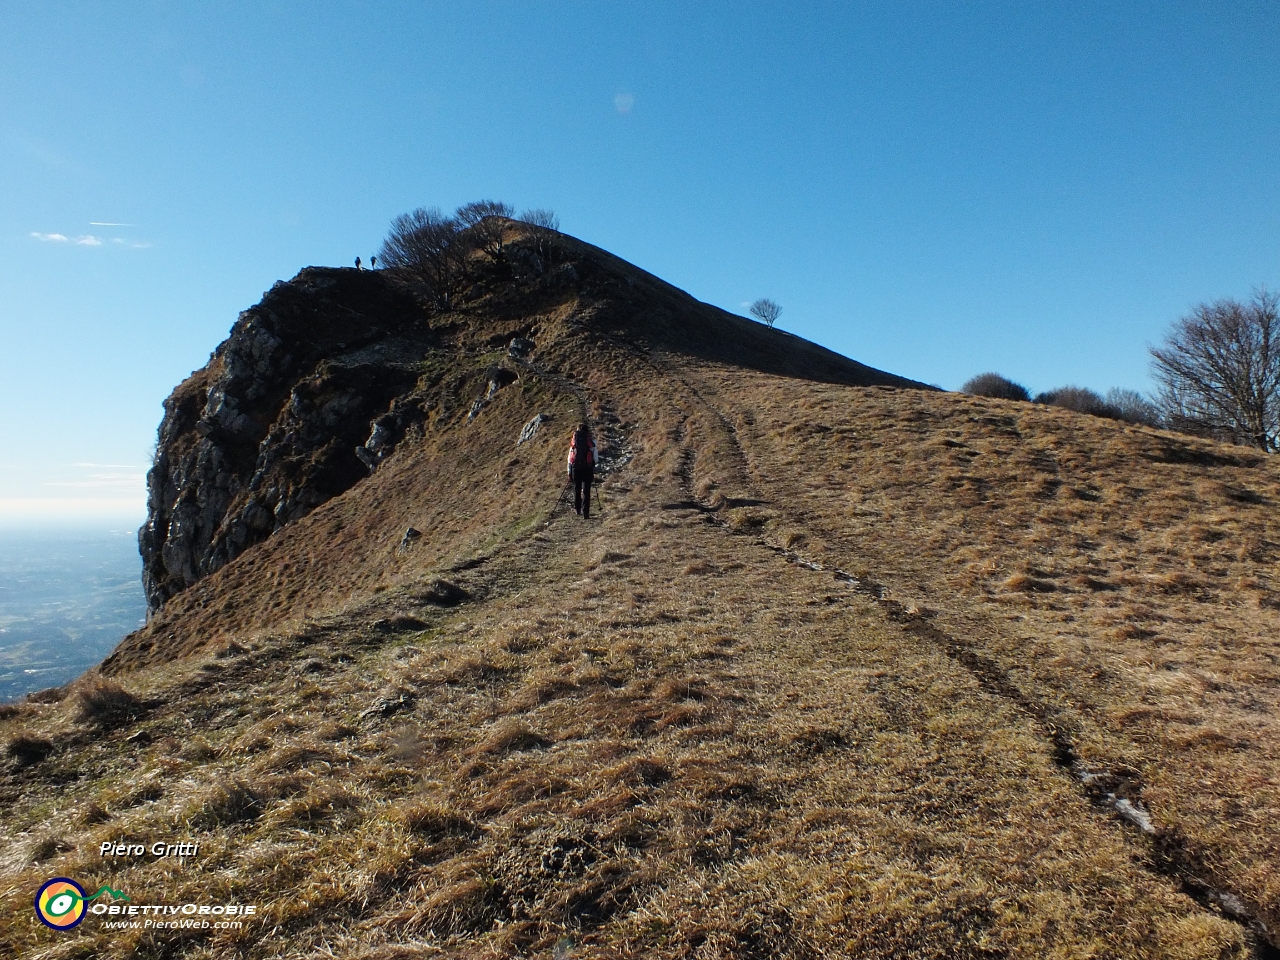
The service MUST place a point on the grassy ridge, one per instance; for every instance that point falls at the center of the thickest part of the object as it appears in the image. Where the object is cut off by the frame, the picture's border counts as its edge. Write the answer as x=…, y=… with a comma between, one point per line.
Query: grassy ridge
x=838, y=671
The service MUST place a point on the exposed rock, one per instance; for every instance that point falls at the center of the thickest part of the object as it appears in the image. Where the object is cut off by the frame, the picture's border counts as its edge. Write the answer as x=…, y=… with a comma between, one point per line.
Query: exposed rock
x=530, y=429
x=499, y=377
x=519, y=348
x=525, y=262
x=306, y=396
x=443, y=593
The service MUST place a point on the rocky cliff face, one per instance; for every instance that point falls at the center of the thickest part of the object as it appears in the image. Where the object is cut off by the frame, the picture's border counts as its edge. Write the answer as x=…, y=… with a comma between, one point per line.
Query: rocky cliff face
x=306, y=395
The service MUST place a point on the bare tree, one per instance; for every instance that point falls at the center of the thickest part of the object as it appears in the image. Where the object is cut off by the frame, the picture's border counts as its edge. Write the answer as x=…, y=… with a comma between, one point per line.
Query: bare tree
x=469, y=214
x=545, y=219
x=1219, y=371
x=427, y=244
x=486, y=221
x=766, y=311
x=543, y=225
x=1131, y=406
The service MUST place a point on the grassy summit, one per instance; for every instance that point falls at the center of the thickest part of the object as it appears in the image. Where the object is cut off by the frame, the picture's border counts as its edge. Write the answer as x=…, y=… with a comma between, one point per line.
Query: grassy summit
x=845, y=667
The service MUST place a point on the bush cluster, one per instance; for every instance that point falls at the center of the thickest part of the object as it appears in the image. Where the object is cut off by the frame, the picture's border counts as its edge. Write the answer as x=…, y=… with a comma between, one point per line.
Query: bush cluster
x=994, y=385
x=1133, y=407
x=436, y=250
x=1079, y=399
x=1119, y=404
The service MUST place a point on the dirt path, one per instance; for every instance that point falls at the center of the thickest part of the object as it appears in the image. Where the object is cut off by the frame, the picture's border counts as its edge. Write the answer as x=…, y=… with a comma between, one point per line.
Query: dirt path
x=1116, y=791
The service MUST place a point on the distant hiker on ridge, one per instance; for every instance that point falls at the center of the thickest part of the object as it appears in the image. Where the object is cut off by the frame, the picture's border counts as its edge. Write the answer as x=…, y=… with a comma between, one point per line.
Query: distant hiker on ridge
x=582, y=468
x=358, y=267
x=373, y=263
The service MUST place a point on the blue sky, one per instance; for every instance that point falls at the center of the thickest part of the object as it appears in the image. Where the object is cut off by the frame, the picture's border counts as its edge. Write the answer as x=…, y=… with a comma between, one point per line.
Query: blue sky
x=937, y=189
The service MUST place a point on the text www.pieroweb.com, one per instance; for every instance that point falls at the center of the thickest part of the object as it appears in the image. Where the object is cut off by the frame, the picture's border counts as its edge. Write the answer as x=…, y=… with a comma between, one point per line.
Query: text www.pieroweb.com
x=185, y=923
x=189, y=916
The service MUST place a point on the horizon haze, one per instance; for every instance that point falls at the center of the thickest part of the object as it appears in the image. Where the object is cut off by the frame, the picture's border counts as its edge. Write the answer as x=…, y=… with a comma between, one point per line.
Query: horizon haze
x=932, y=190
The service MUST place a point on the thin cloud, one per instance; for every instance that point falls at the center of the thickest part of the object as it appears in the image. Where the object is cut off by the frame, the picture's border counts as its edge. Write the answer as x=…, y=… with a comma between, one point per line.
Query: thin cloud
x=116, y=477
x=623, y=102
x=105, y=484
x=89, y=240
x=80, y=491
x=111, y=483
x=108, y=223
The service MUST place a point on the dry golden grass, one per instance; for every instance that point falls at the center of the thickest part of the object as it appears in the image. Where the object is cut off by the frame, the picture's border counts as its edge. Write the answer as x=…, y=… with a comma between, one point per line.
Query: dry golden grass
x=1122, y=578
x=808, y=687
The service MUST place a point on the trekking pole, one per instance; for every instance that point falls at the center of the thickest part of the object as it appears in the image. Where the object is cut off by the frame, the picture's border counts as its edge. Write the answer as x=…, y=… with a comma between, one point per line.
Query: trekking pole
x=556, y=509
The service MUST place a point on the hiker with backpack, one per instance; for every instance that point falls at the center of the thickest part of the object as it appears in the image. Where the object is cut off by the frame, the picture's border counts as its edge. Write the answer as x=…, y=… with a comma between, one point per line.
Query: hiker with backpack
x=582, y=468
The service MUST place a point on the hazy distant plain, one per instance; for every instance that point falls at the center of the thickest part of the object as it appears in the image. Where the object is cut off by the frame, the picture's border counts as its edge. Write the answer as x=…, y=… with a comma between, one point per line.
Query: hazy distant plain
x=66, y=599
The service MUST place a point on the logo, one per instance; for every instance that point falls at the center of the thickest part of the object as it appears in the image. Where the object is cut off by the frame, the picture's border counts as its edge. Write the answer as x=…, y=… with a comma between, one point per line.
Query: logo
x=60, y=902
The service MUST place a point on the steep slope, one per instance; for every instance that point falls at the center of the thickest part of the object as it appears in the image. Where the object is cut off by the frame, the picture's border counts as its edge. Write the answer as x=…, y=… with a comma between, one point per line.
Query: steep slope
x=839, y=670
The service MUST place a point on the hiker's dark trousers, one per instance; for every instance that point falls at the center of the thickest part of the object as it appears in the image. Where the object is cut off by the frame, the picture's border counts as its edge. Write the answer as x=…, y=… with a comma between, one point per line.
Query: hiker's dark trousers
x=582, y=477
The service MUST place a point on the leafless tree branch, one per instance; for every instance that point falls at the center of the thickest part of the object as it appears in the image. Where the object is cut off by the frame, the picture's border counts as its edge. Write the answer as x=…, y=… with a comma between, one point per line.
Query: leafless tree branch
x=1219, y=371
x=766, y=311
x=427, y=245
x=486, y=223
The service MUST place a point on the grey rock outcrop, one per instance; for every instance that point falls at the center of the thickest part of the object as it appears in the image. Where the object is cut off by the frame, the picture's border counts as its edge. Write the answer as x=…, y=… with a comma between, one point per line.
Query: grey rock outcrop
x=310, y=391
x=530, y=429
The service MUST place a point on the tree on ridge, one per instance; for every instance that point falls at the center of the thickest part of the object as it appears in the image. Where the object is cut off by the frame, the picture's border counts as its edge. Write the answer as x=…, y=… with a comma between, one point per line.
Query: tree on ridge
x=541, y=218
x=427, y=244
x=766, y=311
x=487, y=222
x=1219, y=371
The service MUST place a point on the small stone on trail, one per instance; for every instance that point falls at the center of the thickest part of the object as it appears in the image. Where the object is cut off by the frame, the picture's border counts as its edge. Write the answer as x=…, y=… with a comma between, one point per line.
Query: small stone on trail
x=385, y=706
